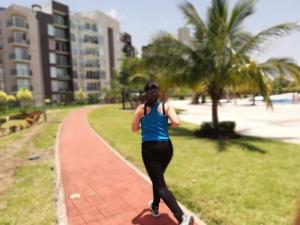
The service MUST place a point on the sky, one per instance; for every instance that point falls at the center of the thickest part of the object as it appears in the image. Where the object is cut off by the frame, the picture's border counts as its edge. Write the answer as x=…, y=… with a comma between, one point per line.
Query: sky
x=145, y=18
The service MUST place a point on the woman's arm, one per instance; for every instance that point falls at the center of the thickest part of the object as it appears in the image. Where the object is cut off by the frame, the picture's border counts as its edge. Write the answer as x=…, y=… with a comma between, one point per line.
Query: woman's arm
x=135, y=126
x=173, y=117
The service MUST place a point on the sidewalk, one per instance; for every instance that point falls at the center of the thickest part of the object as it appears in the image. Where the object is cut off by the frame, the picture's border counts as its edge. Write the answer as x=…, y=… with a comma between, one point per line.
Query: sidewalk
x=111, y=191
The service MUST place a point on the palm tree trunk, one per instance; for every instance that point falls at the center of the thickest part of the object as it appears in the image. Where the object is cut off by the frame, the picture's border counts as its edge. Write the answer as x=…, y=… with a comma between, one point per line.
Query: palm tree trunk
x=203, y=99
x=215, y=118
x=195, y=100
x=253, y=100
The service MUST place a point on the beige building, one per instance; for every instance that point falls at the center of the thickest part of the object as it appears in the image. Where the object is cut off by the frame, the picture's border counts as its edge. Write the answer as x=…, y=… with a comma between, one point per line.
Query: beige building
x=184, y=35
x=20, y=64
x=96, y=50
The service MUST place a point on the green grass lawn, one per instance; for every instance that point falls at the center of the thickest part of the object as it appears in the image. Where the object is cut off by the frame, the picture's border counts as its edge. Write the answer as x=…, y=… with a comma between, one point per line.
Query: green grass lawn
x=246, y=181
x=27, y=187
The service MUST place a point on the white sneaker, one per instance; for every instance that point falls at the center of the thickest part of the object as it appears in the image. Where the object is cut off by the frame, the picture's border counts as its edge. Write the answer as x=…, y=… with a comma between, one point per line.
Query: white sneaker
x=187, y=220
x=154, y=210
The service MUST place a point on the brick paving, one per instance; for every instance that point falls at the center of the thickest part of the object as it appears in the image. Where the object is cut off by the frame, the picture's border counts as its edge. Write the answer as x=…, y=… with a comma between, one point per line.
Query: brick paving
x=111, y=192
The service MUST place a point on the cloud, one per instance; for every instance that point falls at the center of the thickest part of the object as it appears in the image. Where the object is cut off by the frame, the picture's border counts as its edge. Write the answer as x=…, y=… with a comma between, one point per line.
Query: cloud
x=115, y=14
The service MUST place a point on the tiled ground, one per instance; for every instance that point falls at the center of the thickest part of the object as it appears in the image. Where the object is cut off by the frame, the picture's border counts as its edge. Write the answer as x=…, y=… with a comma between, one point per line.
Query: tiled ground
x=111, y=192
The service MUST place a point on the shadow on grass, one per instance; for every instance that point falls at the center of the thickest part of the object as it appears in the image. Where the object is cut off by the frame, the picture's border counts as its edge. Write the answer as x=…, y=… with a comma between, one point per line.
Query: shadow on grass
x=248, y=143
x=182, y=132
x=243, y=144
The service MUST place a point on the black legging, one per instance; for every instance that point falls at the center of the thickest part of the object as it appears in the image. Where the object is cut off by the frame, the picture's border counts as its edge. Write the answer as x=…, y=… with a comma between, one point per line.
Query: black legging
x=156, y=157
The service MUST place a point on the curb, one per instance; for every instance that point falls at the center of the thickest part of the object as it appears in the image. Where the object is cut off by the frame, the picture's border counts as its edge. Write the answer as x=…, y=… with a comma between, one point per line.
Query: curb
x=61, y=210
x=196, y=217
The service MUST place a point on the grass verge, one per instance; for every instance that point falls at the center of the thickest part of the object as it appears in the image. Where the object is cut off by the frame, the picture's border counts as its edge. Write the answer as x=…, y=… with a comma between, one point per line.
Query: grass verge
x=246, y=181
x=27, y=187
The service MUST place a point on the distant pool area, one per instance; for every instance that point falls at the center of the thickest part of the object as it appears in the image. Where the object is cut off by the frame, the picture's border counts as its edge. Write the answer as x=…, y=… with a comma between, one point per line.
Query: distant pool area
x=284, y=99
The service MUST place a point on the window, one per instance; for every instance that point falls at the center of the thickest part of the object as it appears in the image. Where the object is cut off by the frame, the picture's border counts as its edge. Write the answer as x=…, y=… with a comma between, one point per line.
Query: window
x=62, y=60
x=19, y=37
x=60, y=33
x=21, y=53
x=22, y=69
x=23, y=83
x=52, y=58
x=50, y=30
x=19, y=21
x=62, y=72
x=59, y=20
x=1, y=73
x=62, y=46
x=51, y=44
x=53, y=72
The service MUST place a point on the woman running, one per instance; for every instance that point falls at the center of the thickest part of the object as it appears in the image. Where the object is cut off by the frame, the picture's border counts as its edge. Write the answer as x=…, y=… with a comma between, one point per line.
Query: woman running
x=157, y=150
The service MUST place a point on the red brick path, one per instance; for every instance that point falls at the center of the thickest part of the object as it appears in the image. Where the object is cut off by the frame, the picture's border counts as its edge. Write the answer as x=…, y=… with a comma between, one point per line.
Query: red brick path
x=111, y=192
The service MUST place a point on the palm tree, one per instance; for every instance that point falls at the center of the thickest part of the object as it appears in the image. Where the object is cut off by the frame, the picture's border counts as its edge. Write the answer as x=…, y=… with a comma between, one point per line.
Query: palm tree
x=221, y=53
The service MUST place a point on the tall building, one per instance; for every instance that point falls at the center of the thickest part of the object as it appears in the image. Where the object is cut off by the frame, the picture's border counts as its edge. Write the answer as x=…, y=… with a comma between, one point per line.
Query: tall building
x=53, y=53
x=55, y=41
x=95, y=50
x=183, y=35
x=20, y=61
x=112, y=40
x=128, y=49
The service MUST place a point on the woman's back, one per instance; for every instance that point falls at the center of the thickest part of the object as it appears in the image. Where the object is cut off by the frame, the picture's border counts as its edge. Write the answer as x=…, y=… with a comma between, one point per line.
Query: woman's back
x=154, y=123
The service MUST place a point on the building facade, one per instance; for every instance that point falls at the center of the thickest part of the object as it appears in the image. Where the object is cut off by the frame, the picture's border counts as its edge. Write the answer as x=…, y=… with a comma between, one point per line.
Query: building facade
x=55, y=41
x=54, y=54
x=95, y=50
x=20, y=64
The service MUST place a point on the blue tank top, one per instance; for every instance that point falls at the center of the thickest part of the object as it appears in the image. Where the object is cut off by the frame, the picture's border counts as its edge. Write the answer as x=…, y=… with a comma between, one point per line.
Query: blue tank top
x=154, y=125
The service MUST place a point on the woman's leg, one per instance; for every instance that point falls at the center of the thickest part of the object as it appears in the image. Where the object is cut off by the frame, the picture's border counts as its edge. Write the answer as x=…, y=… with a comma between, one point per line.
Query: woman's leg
x=156, y=157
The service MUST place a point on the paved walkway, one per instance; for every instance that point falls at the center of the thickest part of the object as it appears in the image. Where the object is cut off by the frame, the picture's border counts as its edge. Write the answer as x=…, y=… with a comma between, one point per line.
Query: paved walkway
x=111, y=192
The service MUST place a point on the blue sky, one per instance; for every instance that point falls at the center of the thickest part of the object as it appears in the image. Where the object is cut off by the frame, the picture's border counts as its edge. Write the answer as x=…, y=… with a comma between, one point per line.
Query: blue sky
x=144, y=18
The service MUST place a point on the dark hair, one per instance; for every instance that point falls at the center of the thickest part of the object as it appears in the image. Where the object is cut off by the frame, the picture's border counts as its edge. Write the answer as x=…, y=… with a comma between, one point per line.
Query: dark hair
x=151, y=93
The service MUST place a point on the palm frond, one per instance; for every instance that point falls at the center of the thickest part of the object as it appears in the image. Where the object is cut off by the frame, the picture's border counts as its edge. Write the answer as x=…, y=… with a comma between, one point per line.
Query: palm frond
x=242, y=10
x=276, y=67
x=256, y=42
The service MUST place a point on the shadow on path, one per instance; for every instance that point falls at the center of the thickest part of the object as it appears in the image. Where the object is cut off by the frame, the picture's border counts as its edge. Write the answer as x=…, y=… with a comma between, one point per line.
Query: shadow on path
x=145, y=218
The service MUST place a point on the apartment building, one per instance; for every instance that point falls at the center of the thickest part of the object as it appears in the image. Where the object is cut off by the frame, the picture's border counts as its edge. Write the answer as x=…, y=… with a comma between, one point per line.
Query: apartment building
x=96, y=50
x=55, y=41
x=184, y=35
x=20, y=64
x=53, y=53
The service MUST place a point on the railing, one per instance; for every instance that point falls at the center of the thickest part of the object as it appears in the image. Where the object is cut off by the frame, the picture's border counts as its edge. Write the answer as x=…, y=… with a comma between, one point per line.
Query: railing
x=23, y=73
x=15, y=88
x=19, y=57
x=14, y=40
x=23, y=25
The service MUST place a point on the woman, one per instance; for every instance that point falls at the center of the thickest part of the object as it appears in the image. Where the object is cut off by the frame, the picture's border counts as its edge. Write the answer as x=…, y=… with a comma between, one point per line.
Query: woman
x=157, y=149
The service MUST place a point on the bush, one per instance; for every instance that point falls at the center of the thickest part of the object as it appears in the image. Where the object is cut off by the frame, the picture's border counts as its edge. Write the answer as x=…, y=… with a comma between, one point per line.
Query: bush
x=13, y=128
x=29, y=120
x=93, y=99
x=226, y=129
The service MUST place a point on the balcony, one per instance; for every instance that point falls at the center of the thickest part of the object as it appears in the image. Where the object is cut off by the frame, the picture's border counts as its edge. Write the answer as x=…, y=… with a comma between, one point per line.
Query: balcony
x=16, y=24
x=20, y=57
x=15, y=88
x=21, y=73
x=18, y=41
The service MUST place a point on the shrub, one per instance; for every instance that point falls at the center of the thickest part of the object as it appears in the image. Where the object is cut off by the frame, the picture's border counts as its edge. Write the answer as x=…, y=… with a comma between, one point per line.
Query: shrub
x=29, y=120
x=93, y=99
x=21, y=126
x=226, y=129
x=13, y=128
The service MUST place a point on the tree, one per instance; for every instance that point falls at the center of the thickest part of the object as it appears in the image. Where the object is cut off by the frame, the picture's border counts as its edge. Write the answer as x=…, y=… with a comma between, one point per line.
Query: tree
x=25, y=97
x=80, y=96
x=221, y=54
x=3, y=101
